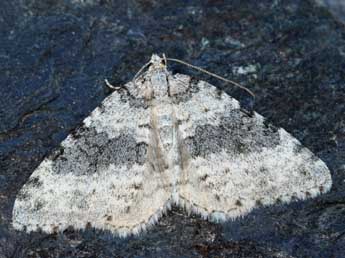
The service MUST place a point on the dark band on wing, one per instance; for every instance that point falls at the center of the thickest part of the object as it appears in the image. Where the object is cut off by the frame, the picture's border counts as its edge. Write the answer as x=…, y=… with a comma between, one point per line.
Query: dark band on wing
x=94, y=150
x=237, y=133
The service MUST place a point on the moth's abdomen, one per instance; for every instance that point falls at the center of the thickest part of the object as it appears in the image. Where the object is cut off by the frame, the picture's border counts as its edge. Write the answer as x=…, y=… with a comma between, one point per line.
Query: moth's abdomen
x=165, y=125
x=166, y=134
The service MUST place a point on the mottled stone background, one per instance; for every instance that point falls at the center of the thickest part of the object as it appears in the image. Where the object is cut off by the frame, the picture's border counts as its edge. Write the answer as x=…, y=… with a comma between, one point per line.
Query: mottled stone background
x=54, y=56
x=336, y=7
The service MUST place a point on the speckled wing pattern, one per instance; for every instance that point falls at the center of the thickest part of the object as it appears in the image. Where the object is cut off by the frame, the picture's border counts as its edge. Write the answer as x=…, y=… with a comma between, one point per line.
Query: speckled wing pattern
x=99, y=176
x=167, y=139
x=236, y=161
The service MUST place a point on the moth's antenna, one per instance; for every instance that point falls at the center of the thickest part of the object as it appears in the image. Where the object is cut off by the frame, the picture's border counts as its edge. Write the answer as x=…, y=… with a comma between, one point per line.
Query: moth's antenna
x=111, y=86
x=134, y=78
x=212, y=74
x=140, y=71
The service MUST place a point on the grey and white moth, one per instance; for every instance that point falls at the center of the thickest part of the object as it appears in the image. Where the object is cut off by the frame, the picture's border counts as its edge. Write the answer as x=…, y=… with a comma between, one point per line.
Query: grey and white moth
x=166, y=140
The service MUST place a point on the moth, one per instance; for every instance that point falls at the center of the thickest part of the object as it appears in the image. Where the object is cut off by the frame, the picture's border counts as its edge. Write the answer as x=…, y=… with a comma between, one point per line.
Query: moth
x=166, y=139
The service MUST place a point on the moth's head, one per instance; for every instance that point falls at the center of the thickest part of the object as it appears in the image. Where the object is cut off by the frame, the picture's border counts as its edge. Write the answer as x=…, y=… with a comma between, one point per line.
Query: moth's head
x=157, y=62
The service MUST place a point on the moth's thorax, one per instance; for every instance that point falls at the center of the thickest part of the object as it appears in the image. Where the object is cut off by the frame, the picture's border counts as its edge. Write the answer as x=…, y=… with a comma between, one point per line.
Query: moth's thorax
x=157, y=78
x=153, y=84
x=159, y=82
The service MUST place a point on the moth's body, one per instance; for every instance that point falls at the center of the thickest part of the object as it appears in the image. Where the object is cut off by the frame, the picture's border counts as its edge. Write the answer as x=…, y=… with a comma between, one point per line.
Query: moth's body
x=166, y=140
x=164, y=127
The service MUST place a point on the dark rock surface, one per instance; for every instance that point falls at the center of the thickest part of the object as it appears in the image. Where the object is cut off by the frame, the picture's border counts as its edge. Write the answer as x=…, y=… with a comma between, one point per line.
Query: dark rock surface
x=336, y=7
x=54, y=56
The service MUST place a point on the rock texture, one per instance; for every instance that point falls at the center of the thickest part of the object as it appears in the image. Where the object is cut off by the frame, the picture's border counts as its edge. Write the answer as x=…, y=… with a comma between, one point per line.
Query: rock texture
x=54, y=56
x=336, y=7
